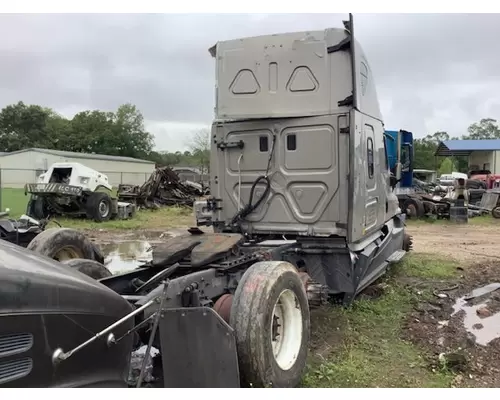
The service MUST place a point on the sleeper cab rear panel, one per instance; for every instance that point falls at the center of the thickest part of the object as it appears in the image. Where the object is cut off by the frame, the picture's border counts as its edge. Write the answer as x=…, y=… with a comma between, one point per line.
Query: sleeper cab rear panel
x=308, y=171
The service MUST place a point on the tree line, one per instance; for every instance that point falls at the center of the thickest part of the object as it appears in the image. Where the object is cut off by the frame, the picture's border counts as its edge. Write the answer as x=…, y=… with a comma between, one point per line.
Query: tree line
x=119, y=133
x=122, y=133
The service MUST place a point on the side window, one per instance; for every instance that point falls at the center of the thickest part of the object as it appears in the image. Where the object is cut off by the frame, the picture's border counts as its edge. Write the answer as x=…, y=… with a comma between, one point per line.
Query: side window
x=369, y=157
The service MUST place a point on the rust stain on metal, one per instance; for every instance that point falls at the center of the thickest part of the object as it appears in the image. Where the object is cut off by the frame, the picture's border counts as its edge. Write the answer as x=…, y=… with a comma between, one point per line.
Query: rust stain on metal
x=223, y=306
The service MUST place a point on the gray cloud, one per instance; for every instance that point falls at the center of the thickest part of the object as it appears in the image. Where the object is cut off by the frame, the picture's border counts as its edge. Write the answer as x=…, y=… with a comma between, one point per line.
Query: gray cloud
x=433, y=71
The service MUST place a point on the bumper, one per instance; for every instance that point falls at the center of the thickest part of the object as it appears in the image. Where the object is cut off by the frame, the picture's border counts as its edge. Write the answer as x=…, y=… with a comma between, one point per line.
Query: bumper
x=53, y=188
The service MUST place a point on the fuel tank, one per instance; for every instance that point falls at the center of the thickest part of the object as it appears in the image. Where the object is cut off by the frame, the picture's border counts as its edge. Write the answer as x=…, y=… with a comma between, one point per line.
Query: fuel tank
x=46, y=305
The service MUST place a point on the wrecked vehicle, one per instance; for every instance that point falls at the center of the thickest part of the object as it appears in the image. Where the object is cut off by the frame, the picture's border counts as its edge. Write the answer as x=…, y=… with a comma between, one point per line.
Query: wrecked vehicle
x=303, y=212
x=163, y=188
x=72, y=189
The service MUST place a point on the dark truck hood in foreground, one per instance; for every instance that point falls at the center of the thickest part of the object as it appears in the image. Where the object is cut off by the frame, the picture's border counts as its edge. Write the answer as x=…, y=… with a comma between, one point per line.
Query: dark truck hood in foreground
x=32, y=283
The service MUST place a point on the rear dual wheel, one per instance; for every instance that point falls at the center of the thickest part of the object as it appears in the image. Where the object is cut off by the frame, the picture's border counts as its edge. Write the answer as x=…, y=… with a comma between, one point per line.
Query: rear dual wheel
x=270, y=316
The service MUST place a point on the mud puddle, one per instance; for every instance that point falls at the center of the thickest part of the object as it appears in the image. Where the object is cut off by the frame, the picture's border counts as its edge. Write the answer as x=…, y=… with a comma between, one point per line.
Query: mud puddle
x=126, y=255
x=481, y=313
x=463, y=328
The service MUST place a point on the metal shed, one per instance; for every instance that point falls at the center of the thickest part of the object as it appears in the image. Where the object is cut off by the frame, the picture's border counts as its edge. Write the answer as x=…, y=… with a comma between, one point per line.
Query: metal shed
x=482, y=154
x=20, y=167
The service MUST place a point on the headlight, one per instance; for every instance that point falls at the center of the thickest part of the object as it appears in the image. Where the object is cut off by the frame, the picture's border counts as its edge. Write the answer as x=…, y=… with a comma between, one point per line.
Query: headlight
x=84, y=180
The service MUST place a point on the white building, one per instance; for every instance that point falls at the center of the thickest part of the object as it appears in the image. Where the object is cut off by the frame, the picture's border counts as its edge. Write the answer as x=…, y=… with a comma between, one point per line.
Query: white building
x=24, y=166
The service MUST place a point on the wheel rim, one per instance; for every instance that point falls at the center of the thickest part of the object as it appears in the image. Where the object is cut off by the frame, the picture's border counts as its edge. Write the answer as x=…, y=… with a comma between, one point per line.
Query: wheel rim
x=411, y=210
x=103, y=209
x=67, y=253
x=286, y=329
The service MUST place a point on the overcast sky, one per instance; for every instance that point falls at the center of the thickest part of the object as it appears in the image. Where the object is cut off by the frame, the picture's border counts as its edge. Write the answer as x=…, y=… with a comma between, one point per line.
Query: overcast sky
x=433, y=72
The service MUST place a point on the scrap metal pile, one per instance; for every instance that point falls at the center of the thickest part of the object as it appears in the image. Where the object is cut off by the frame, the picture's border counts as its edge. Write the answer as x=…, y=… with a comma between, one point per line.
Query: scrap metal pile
x=437, y=198
x=163, y=188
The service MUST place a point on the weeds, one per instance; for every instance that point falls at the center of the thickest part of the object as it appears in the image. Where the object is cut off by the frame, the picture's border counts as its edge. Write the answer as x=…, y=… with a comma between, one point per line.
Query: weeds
x=371, y=351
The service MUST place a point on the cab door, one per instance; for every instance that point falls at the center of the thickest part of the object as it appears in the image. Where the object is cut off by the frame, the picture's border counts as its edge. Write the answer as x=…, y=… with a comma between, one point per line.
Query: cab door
x=367, y=177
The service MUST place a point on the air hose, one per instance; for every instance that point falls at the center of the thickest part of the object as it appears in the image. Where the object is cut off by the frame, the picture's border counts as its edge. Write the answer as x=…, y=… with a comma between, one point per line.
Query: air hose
x=249, y=208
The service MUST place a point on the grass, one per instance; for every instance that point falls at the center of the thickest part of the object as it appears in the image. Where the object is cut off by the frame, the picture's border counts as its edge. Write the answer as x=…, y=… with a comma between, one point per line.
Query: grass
x=166, y=217
x=483, y=220
x=426, y=266
x=163, y=218
x=370, y=351
x=15, y=200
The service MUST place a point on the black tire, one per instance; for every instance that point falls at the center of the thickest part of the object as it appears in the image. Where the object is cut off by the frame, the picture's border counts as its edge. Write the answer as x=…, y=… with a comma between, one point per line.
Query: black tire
x=90, y=268
x=414, y=208
x=98, y=256
x=475, y=195
x=37, y=208
x=62, y=243
x=496, y=212
x=407, y=242
x=99, y=207
x=252, y=317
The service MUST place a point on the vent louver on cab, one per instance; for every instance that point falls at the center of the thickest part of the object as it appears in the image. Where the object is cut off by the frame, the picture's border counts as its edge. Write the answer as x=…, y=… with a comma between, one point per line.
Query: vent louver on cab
x=15, y=343
x=11, y=370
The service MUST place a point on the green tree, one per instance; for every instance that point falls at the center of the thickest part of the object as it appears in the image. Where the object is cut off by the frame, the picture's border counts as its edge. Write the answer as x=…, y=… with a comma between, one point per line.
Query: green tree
x=57, y=127
x=447, y=166
x=425, y=149
x=121, y=133
x=424, y=154
x=132, y=138
x=92, y=132
x=23, y=126
x=487, y=128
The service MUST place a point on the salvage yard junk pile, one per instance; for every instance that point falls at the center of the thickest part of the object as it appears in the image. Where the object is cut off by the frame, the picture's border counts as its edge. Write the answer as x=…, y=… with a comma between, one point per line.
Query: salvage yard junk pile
x=163, y=188
x=454, y=196
x=421, y=194
x=72, y=189
x=291, y=230
x=480, y=199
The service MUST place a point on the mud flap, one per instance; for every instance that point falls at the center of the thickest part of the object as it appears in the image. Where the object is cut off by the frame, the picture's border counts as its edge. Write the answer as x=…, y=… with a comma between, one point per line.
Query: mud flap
x=198, y=349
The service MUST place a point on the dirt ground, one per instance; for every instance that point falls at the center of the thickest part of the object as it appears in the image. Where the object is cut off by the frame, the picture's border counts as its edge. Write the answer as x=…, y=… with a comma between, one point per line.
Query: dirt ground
x=467, y=243
x=460, y=335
